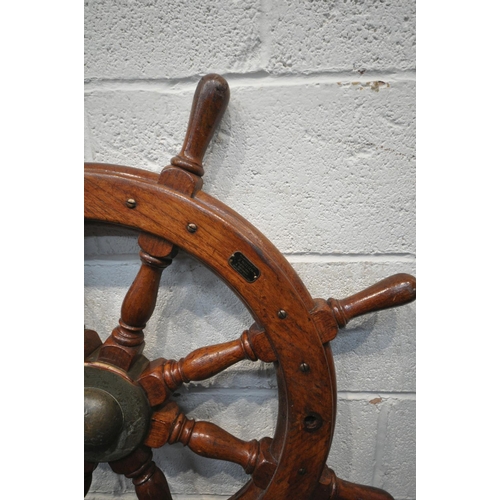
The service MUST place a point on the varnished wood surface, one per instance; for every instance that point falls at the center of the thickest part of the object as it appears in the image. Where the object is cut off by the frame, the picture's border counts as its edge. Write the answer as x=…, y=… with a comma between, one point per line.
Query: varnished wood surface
x=209, y=103
x=127, y=339
x=394, y=291
x=162, y=376
x=170, y=425
x=291, y=329
x=215, y=234
x=149, y=481
x=91, y=341
x=213, y=243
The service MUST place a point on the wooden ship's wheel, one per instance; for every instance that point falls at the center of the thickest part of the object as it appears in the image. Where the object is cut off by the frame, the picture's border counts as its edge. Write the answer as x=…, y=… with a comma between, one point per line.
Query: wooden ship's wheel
x=128, y=404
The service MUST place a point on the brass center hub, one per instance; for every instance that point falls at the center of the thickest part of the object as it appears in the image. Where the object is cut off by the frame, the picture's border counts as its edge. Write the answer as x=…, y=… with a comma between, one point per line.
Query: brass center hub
x=117, y=413
x=103, y=418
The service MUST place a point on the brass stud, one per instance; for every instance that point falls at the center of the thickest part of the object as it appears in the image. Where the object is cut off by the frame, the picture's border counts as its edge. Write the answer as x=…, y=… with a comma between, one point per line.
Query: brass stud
x=131, y=203
x=304, y=367
x=192, y=228
x=282, y=314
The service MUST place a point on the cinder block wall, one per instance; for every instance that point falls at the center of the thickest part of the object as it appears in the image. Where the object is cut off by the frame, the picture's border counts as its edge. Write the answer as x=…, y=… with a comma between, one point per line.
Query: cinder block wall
x=317, y=150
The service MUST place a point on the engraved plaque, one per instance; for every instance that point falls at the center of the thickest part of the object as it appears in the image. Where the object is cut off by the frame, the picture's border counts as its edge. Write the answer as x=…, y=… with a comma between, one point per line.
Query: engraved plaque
x=244, y=267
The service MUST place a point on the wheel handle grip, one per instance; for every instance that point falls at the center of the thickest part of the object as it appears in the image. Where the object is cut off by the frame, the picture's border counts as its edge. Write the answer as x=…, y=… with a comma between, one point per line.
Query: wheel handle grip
x=209, y=103
x=393, y=291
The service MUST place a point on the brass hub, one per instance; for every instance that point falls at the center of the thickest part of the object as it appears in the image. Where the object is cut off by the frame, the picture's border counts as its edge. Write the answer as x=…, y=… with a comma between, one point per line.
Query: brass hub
x=103, y=418
x=117, y=413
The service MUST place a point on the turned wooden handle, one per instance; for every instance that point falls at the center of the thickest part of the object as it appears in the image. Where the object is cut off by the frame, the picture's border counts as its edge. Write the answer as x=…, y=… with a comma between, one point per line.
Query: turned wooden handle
x=209, y=103
x=394, y=291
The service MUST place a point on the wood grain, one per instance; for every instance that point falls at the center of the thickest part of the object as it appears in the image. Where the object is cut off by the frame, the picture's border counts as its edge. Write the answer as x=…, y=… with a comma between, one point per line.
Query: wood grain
x=291, y=329
x=149, y=481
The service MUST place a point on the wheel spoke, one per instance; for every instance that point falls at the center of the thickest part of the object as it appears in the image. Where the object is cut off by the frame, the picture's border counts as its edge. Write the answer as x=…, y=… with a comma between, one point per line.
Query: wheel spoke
x=170, y=425
x=162, y=377
x=148, y=479
x=127, y=339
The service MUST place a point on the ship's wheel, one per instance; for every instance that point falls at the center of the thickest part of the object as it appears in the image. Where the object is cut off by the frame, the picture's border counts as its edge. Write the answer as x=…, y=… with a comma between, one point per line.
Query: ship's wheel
x=128, y=405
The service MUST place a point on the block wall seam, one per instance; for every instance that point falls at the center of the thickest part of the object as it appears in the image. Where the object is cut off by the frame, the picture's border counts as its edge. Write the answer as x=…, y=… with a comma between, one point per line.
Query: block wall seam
x=239, y=80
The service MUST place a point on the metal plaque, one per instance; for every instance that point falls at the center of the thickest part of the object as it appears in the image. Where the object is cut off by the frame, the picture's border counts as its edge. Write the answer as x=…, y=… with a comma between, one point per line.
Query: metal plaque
x=244, y=267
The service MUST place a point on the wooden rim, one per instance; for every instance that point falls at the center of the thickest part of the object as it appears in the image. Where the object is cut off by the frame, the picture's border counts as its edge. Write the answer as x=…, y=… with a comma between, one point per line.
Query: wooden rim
x=293, y=336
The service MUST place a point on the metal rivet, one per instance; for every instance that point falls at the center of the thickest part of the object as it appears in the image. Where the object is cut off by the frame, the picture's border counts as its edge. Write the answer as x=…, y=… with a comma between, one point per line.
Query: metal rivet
x=131, y=203
x=304, y=367
x=192, y=227
x=302, y=472
x=282, y=314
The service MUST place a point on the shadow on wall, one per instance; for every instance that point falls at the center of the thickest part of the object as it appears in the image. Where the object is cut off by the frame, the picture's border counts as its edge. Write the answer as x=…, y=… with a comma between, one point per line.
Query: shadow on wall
x=361, y=333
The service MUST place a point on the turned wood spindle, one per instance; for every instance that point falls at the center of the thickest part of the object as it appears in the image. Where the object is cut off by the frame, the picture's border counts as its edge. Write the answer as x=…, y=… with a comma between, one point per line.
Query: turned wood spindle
x=211, y=441
x=209, y=104
x=170, y=425
x=127, y=339
x=149, y=481
x=162, y=377
x=206, y=362
x=394, y=291
x=140, y=301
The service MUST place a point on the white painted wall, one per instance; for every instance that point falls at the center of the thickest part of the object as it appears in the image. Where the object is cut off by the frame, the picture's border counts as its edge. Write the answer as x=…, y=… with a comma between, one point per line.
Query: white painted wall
x=317, y=150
